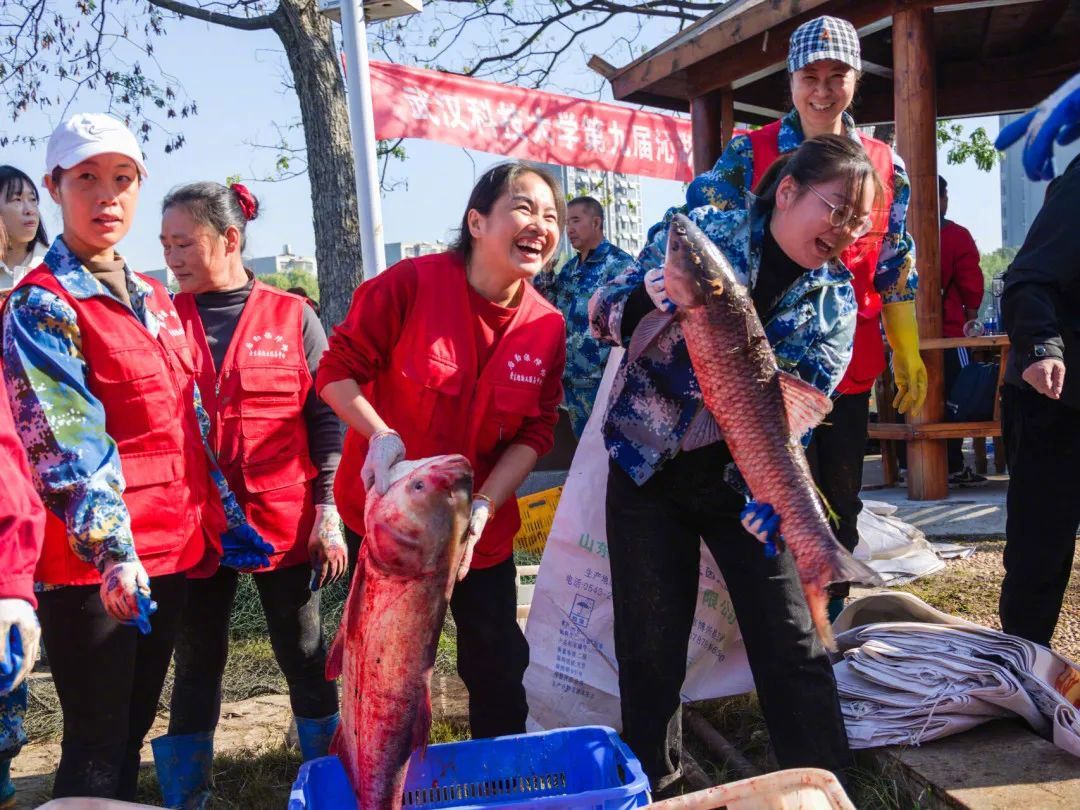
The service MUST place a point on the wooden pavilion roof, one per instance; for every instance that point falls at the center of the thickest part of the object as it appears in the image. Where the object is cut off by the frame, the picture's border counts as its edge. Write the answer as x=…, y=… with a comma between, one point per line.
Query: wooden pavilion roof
x=993, y=56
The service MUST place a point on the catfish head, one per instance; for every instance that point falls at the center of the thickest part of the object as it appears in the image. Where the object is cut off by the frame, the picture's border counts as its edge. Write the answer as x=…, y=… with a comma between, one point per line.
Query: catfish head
x=694, y=268
x=418, y=526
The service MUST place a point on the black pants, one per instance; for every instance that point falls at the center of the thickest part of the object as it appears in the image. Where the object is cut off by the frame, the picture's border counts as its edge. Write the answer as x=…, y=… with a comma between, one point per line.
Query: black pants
x=836, y=454
x=1042, y=444
x=653, y=533
x=492, y=654
x=202, y=646
x=108, y=677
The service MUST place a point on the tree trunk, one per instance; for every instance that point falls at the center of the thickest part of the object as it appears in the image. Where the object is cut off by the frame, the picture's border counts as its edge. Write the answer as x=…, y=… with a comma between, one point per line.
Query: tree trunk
x=309, y=45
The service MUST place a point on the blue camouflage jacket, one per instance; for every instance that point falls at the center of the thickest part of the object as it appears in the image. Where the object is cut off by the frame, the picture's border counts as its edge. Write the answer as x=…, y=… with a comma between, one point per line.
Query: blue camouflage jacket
x=727, y=186
x=569, y=291
x=74, y=461
x=655, y=398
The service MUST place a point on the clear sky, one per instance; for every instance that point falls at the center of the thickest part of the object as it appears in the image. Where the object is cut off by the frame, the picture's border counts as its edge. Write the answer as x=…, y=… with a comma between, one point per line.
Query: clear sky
x=236, y=78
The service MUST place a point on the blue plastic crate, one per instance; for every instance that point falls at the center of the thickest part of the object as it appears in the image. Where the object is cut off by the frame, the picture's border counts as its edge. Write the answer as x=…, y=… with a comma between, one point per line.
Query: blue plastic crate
x=587, y=768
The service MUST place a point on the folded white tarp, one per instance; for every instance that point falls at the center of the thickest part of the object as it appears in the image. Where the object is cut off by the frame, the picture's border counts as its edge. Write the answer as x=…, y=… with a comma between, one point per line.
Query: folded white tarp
x=905, y=682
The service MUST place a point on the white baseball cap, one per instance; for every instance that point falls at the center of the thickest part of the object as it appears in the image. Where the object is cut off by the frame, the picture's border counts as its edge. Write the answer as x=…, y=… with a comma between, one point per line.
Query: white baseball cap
x=85, y=135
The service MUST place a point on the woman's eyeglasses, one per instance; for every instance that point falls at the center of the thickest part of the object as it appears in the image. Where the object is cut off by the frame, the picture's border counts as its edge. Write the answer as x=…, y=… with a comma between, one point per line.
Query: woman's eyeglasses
x=842, y=216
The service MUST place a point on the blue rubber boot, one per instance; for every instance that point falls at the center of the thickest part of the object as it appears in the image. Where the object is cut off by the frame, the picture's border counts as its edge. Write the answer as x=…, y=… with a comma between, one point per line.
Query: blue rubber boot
x=7, y=787
x=835, y=606
x=315, y=735
x=184, y=763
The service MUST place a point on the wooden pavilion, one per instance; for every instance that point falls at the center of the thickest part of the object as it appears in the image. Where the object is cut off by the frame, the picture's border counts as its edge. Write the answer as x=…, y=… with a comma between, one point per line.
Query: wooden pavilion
x=922, y=60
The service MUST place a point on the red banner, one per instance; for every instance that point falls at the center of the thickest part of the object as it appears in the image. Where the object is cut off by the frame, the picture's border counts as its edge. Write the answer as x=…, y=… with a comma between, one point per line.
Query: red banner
x=528, y=124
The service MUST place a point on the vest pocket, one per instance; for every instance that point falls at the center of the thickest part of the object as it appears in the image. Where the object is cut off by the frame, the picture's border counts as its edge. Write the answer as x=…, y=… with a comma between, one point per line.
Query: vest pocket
x=270, y=413
x=278, y=473
x=136, y=401
x=508, y=407
x=426, y=379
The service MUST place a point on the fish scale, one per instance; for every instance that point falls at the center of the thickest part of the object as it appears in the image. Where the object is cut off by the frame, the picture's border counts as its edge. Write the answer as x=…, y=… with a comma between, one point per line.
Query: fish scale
x=756, y=406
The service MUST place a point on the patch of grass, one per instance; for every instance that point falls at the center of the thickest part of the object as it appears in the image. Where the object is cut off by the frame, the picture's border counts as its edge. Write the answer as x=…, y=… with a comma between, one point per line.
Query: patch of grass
x=443, y=731
x=964, y=588
x=257, y=779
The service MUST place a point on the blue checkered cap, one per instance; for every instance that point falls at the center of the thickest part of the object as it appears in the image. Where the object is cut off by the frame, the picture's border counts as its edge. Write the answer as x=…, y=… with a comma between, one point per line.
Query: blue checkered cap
x=824, y=38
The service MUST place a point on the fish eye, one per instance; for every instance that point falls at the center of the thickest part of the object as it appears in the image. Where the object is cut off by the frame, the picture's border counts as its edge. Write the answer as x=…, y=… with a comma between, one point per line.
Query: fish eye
x=418, y=486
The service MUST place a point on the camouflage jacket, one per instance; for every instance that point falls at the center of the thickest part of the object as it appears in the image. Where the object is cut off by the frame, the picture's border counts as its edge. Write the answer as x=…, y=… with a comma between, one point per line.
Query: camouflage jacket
x=569, y=291
x=655, y=398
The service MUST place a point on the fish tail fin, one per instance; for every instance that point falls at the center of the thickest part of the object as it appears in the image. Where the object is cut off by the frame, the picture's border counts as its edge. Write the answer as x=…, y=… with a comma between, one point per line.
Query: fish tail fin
x=846, y=568
x=817, y=600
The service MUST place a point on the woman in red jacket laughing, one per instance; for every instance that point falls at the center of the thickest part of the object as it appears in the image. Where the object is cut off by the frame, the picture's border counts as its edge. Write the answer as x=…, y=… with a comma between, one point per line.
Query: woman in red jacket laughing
x=457, y=353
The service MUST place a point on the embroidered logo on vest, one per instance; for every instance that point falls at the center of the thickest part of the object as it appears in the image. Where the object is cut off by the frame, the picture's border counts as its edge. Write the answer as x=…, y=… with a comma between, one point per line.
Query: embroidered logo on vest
x=170, y=319
x=267, y=345
x=526, y=369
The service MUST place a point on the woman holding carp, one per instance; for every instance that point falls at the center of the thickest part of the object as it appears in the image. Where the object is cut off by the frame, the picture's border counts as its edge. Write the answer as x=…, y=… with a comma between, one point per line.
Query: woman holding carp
x=820, y=244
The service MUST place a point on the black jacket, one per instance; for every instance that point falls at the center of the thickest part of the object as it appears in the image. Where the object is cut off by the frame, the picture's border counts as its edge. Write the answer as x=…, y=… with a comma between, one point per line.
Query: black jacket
x=1040, y=306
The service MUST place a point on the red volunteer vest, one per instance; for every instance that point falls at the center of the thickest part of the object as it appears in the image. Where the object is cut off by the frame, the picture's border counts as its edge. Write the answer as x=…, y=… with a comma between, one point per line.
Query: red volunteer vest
x=256, y=408
x=861, y=258
x=146, y=388
x=431, y=393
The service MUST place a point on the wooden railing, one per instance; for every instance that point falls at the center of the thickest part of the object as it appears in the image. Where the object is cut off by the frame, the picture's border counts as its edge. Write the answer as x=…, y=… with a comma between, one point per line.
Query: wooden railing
x=888, y=431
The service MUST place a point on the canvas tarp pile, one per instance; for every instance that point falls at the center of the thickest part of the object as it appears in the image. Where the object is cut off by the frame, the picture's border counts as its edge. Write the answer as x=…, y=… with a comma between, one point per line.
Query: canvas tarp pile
x=930, y=675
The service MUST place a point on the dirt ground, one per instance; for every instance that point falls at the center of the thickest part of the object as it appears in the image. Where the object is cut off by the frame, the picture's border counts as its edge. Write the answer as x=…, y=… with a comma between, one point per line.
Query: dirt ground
x=250, y=742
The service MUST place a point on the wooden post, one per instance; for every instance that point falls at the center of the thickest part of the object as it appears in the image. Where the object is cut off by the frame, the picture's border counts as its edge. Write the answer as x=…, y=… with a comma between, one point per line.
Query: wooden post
x=914, y=96
x=707, y=128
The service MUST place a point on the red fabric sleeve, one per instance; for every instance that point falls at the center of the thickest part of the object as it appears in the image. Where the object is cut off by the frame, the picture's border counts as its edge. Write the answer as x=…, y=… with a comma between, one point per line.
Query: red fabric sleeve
x=967, y=274
x=360, y=345
x=539, y=432
x=22, y=517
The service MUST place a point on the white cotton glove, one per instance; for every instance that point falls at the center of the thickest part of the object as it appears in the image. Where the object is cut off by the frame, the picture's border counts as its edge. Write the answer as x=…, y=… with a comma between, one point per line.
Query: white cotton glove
x=654, y=286
x=482, y=508
x=385, y=449
x=326, y=547
x=122, y=585
x=18, y=613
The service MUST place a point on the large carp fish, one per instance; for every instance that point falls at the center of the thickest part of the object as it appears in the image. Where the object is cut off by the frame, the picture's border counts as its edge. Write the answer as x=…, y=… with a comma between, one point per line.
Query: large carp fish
x=385, y=647
x=760, y=411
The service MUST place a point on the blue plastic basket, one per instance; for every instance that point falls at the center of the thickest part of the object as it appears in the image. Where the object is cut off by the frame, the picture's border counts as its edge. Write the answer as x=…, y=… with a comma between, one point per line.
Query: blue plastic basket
x=587, y=768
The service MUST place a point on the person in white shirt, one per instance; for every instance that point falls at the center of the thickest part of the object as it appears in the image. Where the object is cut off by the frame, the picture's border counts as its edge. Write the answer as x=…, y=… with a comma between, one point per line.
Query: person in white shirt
x=25, y=243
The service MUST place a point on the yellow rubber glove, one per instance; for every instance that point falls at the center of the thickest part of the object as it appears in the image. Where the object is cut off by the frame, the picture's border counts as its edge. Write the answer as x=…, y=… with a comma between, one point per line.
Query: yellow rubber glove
x=902, y=332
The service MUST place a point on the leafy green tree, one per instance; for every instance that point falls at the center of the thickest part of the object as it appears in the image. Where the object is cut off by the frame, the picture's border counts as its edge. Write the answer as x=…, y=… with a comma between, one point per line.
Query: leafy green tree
x=288, y=279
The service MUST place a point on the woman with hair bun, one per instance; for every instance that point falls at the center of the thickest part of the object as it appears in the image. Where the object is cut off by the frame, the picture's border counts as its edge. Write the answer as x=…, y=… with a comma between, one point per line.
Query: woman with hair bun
x=255, y=351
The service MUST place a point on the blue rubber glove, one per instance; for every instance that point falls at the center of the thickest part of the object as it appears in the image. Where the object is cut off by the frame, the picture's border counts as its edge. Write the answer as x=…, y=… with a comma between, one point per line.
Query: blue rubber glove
x=11, y=664
x=244, y=549
x=147, y=606
x=1056, y=119
x=764, y=524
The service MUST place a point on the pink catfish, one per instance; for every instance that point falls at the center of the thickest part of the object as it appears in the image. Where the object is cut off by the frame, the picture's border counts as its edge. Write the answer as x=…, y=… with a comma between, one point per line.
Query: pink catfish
x=385, y=647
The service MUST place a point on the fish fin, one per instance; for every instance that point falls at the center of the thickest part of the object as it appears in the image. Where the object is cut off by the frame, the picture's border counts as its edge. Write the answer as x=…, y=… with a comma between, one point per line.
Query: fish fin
x=702, y=431
x=335, y=658
x=805, y=405
x=422, y=722
x=646, y=332
x=817, y=601
x=847, y=569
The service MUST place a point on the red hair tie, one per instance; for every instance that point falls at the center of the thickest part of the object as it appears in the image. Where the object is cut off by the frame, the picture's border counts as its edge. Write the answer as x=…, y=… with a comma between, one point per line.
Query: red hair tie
x=248, y=204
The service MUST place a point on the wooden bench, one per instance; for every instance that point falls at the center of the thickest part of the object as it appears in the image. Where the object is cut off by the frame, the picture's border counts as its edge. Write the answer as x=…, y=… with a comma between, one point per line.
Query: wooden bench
x=888, y=432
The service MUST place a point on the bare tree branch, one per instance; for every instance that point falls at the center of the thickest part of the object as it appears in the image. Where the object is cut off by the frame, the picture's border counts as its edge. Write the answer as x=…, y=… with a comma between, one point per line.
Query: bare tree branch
x=228, y=20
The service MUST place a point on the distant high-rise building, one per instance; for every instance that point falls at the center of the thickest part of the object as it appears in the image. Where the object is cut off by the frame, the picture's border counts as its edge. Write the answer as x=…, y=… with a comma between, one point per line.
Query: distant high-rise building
x=619, y=194
x=284, y=262
x=396, y=251
x=1021, y=198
